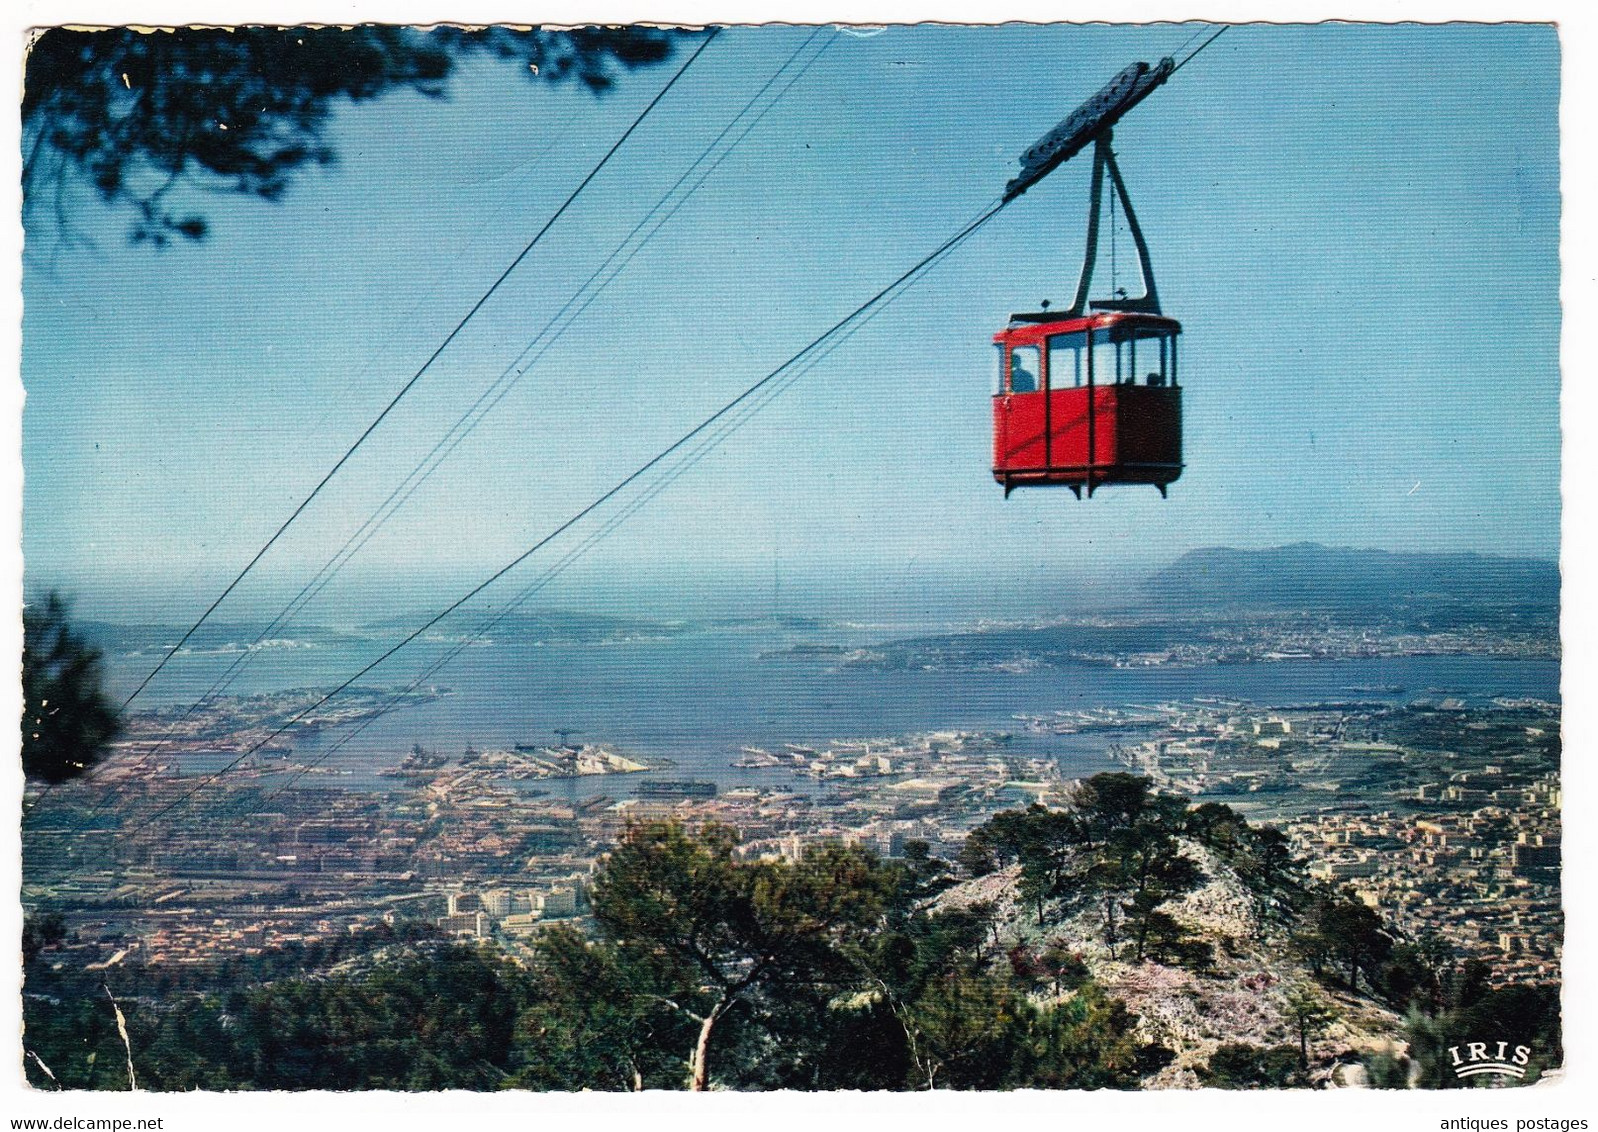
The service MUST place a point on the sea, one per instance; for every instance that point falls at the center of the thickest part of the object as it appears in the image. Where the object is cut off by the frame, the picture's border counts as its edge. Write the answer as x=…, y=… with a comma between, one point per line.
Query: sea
x=692, y=702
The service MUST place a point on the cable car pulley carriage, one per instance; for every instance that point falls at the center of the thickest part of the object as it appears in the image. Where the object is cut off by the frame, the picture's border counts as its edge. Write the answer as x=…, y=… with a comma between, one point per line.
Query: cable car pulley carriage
x=1089, y=396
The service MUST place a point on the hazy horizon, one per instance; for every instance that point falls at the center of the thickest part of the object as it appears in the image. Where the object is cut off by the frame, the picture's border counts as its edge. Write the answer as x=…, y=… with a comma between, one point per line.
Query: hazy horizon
x=911, y=594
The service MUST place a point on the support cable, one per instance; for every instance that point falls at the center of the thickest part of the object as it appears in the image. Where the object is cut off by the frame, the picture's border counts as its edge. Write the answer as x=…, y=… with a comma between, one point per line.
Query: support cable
x=712, y=429
x=545, y=340
x=594, y=538
x=1197, y=49
x=406, y=388
x=621, y=485
x=502, y=385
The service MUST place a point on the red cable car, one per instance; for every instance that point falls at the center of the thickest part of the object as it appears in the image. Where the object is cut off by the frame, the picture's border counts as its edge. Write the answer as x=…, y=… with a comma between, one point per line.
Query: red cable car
x=1089, y=396
x=1086, y=402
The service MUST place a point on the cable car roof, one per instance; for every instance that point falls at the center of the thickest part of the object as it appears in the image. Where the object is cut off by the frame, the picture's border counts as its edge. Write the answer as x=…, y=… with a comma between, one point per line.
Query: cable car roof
x=1035, y=325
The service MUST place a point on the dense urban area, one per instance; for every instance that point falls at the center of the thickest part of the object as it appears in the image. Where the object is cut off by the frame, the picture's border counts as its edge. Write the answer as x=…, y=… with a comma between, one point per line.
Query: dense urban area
x=1441, y=817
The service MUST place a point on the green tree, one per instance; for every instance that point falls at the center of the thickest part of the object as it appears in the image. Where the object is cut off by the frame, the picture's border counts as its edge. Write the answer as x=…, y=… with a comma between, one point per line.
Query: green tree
x=76, y=1036
x=1063, y=966
x=1261, y=856
x=68, y=722
x=135, y=114
x=1109, y=803
x=40, y=930
x=601, y=1021
x=1312, y=946
x=1310, y=1013
x=1337, y=929
x=1385, y=1069
x=1218, y=827
x=1138, y=861
x=976, y=856
x=1357, y=936
x=1519, y=1015
x=1117, y=842
x=965, y=1029
x=1407, y=977
x=1087, y=1042
x=914, y=967
x=924, y=875
x=1465, y=984
x=1158, y=874
x=1237, y=1065
x=718, y=933
x=1428, y=1039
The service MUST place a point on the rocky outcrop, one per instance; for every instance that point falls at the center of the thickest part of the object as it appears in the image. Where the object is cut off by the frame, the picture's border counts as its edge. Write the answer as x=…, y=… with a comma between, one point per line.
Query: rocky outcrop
x=1241, y=997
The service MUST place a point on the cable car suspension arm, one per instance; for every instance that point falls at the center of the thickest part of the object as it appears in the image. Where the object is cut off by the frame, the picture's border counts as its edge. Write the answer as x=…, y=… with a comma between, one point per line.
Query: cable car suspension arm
x=1149, y=301
x=1094, y=122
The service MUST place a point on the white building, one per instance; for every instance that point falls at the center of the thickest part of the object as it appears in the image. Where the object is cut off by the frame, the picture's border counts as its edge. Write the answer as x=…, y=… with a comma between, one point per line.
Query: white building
x=558, y=901
x=474, y=924
x=497, y=902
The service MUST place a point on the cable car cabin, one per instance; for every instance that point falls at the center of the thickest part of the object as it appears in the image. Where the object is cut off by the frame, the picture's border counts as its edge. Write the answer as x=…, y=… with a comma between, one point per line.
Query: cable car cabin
x=1087, y=401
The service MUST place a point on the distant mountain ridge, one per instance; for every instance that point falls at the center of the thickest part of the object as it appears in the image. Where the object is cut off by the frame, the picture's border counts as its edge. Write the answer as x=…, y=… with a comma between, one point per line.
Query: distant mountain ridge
x=1309, y=576
x=1300, y=600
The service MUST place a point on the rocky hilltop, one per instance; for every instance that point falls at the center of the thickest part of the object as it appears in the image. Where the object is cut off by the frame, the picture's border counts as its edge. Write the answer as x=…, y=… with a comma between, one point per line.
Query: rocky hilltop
x=1241, y=996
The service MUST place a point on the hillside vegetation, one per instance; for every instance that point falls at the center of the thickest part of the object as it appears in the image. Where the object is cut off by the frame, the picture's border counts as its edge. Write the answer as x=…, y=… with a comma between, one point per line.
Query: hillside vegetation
x=1126, y=941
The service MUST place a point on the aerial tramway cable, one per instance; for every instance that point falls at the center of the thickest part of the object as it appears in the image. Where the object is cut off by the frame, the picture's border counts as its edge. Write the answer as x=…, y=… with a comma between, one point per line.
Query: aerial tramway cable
x=650, y=492
x=406, y=388
x=621, y=485
x=497, y=390
x=546, y=338
x=1194, y=54
x=233, y=669
x=722, y=421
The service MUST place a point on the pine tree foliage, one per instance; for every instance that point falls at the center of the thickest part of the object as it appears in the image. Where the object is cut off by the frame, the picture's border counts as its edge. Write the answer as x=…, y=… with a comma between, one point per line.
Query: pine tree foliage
x=136, y=114
x=68, y=721
x=707, y=968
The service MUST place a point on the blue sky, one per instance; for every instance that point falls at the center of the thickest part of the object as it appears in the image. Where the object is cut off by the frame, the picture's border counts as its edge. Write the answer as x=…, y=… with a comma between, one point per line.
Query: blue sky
x=1357, y=226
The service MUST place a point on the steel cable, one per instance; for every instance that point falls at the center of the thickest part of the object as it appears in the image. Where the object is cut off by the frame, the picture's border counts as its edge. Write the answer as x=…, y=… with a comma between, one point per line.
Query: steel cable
x=627, y=481
x=406, y=388
x=501, y=387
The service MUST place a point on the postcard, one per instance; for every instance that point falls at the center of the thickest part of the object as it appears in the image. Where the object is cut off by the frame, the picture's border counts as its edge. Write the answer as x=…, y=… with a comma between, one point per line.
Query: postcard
x=802, y=557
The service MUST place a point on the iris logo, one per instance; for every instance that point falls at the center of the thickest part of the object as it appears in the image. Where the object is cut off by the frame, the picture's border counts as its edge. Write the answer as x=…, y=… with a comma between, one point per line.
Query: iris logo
x=1489, y=1057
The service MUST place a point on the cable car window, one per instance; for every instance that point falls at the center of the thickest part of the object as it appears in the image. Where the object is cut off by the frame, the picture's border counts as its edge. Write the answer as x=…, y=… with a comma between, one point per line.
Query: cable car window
x=1067, y=367
x=998, y=368
x=1024, y=369
x=1152, y=359
x=1106, y=369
